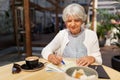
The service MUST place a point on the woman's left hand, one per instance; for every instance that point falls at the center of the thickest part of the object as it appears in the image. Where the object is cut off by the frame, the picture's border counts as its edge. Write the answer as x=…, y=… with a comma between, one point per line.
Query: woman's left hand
x=85, y=61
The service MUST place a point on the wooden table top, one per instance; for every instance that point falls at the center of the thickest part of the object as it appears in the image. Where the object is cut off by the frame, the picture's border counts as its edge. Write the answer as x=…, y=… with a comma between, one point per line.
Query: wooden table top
x=6, y=73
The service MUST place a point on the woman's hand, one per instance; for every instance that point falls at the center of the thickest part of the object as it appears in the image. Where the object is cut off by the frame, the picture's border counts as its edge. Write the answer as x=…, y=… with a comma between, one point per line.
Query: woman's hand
x=54, y=59
x=85, y=61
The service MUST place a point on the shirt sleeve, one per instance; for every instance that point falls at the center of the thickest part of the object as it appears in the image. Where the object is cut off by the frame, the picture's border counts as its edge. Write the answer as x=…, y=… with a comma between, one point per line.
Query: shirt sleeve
x=51, y=47
x=92, y=45
x=95, y=50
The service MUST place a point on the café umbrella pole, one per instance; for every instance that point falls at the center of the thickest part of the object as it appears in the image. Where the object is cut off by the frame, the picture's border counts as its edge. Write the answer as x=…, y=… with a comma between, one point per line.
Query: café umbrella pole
x=27, y=27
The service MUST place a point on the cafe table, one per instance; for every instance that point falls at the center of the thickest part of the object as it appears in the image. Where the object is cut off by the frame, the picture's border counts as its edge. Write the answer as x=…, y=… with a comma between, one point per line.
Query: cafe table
x=42, y=74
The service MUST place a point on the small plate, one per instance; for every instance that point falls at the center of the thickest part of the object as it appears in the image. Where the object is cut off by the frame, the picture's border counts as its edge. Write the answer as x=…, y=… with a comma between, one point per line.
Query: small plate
x=26, y=68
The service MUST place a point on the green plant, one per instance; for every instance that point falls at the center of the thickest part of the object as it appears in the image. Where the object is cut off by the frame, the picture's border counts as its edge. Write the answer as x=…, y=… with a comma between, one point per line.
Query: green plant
x=117, y=34
x=104, y=24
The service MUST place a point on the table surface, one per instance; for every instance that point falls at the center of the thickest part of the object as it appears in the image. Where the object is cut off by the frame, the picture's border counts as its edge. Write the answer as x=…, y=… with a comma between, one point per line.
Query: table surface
x=6, y=73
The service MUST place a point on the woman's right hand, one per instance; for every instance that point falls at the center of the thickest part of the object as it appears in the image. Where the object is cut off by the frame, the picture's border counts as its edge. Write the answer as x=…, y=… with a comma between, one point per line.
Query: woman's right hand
x=54, y=59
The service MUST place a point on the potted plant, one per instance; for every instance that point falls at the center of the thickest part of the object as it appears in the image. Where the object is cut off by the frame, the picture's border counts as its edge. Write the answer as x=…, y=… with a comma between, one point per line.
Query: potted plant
x=116, y=59
x=103, y=26
x=116, y=62
x=116, y=24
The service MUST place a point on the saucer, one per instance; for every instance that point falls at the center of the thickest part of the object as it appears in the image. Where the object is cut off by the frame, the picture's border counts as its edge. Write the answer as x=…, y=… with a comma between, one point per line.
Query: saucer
x=38, y=67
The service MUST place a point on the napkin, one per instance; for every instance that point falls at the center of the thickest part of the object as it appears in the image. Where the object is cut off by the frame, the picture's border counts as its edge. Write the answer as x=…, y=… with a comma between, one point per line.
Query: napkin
x=101, y=71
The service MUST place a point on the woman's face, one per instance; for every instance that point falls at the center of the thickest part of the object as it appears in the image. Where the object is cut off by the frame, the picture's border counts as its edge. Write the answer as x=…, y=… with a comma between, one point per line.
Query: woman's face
x=74, y=25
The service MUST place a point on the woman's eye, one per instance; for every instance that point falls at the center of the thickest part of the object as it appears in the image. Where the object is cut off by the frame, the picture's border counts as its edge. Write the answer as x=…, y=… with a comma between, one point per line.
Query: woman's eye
x=77, y=20
x=69, y=20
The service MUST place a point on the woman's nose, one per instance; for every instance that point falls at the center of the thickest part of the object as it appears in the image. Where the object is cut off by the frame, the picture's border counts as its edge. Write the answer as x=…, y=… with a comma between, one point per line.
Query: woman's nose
x=73, y=23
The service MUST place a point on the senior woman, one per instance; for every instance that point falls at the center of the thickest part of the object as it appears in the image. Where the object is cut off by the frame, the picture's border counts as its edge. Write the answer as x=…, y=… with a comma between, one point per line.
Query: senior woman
x=75, y=41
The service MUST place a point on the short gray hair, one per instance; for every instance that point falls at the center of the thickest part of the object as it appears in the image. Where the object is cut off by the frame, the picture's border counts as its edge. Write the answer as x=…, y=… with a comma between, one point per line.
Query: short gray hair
x=75, y=10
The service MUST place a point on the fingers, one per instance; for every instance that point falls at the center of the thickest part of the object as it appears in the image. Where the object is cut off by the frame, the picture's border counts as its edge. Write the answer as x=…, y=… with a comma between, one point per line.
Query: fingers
x=82, y=62
x=54, y=59
x=59, y=57
x=85, y=61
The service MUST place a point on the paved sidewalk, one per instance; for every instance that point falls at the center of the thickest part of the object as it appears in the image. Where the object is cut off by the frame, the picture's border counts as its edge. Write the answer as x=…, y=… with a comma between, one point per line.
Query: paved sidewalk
x=107, y=53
